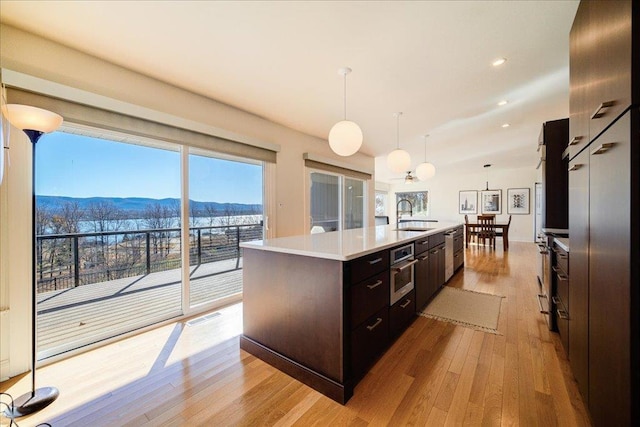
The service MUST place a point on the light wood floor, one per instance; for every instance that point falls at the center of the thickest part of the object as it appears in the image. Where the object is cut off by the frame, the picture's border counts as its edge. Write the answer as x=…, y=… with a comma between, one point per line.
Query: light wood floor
x=434, y=374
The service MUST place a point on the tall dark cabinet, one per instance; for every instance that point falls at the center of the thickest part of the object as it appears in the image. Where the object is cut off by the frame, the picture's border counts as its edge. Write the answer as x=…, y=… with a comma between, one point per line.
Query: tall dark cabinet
x=604, y=209
x=555, y=201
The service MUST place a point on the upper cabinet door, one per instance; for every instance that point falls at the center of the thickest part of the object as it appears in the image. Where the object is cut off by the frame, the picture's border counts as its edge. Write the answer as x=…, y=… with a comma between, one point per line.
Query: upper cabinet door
x=578, y=79
x=607, y=45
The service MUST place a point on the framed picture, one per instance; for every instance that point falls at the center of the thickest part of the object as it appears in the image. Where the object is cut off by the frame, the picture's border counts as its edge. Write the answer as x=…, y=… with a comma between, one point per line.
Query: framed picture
x=491, y=201
x=518, y=201
x=468, y=202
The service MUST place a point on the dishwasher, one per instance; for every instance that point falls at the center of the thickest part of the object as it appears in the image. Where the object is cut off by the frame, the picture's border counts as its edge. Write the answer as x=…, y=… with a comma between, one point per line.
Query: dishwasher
x=448, y=254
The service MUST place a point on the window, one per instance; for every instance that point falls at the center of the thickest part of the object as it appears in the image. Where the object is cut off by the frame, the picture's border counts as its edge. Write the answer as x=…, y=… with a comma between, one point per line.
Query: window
x=381, y=203
x=337, y=202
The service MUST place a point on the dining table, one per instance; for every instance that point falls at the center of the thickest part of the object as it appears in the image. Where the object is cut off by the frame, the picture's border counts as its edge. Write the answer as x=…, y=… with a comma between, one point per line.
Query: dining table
x=471, y=227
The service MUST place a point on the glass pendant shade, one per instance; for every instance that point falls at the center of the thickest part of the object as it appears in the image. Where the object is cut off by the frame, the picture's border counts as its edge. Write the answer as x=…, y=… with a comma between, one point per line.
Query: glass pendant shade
x=26, y=117
x=345, y=138
x=399, y=161
x=425, y=171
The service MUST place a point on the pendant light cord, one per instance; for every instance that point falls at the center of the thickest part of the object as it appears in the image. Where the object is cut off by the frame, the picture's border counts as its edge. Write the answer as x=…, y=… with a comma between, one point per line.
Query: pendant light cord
x=345, y=96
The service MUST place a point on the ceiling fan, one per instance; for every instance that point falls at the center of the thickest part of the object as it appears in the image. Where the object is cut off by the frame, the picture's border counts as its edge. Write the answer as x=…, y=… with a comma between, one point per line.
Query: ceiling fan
x=408, y=179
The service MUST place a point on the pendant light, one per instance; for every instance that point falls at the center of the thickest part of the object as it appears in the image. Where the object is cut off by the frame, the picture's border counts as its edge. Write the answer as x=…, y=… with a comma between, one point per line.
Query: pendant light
x=487, y=166
x=425, y=170
x=398, y=160
x=345, y=137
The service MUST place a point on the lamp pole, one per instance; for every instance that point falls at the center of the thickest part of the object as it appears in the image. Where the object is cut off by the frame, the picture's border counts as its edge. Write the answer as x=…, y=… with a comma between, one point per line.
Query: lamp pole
x=34, y=122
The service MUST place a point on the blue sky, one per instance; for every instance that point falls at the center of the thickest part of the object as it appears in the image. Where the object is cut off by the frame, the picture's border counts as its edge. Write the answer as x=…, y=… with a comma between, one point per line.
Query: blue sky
x=79, y=166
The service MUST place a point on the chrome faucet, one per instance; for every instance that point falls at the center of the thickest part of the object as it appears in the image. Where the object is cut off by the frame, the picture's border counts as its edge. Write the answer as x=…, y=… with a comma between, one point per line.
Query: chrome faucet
x=399, y=212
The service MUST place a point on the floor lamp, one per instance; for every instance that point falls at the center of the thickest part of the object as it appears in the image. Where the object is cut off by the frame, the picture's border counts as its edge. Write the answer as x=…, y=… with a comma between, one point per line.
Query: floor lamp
x=34, y=122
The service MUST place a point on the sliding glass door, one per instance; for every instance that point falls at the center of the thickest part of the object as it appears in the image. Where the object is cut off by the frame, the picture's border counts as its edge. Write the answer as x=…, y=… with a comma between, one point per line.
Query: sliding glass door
x=336, y=202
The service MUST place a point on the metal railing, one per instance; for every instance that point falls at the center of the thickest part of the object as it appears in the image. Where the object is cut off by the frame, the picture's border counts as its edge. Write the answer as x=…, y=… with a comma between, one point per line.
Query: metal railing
x=70, y=260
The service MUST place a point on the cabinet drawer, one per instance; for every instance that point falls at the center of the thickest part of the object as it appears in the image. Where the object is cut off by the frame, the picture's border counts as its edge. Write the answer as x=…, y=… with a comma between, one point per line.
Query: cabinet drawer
x=562, y=259
x=367, y=266
x=369, y=296
x=368, y=341
x=435, y=240
x=458, y=260
x=458, y=242
x=562, y=321
x=562, y=289
x=401, y=313
x=421, y=245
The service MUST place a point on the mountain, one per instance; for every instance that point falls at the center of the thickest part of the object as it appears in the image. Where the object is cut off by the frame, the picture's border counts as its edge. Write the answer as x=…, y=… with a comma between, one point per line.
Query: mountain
x=139, y=204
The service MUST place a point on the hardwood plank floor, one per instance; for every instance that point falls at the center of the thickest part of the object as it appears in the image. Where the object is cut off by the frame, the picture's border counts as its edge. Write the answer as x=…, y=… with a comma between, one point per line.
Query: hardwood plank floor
x=435, y=374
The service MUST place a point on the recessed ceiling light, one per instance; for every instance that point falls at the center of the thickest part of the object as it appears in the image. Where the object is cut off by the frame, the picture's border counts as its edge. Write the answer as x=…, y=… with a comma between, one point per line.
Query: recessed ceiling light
x=506, y=125
x=503, y=102
x=499, y=62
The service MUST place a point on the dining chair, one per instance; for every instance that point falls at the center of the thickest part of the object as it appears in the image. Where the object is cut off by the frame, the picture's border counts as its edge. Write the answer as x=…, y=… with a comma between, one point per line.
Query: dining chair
x=487, y=230
x=472, y=232
x=500, y=232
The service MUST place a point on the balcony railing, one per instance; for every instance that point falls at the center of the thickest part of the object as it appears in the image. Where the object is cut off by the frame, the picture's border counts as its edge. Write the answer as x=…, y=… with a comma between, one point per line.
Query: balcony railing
x=71, y=260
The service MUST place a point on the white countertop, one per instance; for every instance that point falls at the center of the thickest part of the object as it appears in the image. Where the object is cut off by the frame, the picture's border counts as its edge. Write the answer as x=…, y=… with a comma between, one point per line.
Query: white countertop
x=350, y=244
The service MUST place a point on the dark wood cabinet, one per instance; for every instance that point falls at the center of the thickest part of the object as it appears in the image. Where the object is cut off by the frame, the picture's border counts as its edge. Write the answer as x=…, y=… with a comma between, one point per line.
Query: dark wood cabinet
x=401, y=314
x=368, y=341
x=421, y=280
x=369, y=296
x=579, y=270
x=555, y=180
x=436, y=268
x=609, y=57
x=604, y=182
x=609, y=275
x=561, y=300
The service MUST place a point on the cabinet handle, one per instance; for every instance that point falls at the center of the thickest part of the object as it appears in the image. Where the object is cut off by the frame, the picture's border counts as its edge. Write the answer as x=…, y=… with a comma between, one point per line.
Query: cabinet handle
x=575, y=167
x=375, y=261
x=562, y=314
x=424, y=242
x=406, y=304
x=556, y=300
x=602, y=148
x=375, y=285
x=542, y=249
x=422, y=258
x=375, y=325
x=434, y=252
x=560, y=274
x=575, y=140
x=542, y=310
x=407, y=265
x=599, y=113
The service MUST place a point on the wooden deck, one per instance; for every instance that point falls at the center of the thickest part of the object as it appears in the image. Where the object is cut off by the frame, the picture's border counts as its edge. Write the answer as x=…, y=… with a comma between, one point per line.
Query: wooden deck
x=74, y=317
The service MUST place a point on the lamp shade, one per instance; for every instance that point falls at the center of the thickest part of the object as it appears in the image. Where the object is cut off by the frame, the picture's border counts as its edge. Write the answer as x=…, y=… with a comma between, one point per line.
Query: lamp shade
x=399, y=161
x=345, y=138
x=425, y=171
x=26, y=117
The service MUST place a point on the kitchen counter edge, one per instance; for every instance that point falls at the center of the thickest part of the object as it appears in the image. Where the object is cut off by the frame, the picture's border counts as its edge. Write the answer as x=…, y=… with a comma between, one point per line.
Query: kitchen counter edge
x=347, y=245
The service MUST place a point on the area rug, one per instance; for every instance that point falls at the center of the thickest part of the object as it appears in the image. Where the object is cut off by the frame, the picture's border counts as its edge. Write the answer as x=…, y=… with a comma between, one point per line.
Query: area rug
x=462, y=307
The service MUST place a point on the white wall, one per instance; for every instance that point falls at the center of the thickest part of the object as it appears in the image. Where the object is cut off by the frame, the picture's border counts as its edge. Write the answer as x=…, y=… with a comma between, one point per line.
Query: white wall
x=445, y=186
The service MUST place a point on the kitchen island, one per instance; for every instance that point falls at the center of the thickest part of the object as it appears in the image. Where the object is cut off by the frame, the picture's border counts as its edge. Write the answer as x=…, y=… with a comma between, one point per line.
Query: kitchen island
x=317, y=306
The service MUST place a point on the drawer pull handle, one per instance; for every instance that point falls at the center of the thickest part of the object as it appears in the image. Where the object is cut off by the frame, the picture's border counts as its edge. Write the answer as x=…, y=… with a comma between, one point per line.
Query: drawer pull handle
x=375, y=285
x=375, y=261
x=407, y=265
x=375, y=325
x=406, y=304
x=542, y=310
x=435, y=252
x=575, y=167
x=599, y=113
x=560, y=274
x=575, y=140
x=556, y=300
x=422, y=258
x=424, y=242
x=562, y=314
x=602, y=148
x=561, y=255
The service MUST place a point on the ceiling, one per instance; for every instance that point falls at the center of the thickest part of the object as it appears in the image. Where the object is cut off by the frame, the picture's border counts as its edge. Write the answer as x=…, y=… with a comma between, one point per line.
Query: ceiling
x=279, y=60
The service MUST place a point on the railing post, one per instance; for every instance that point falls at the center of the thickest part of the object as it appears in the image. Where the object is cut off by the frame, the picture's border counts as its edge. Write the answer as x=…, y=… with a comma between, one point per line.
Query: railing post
x=148, y=237
x=76, y=262
x=199, y=248
x=237, y=246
